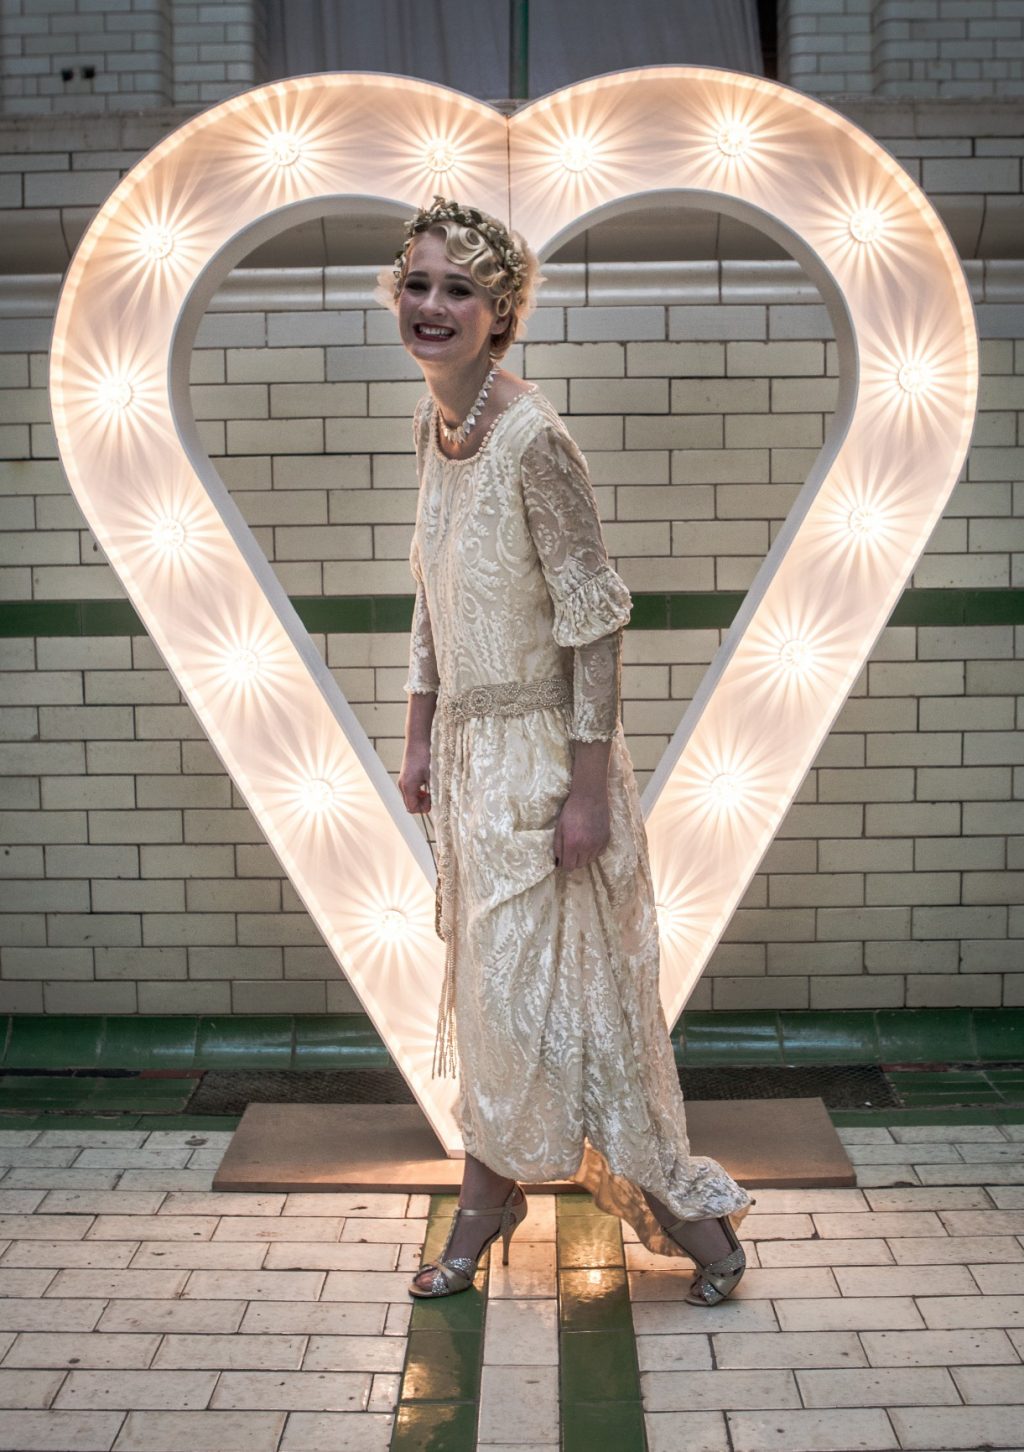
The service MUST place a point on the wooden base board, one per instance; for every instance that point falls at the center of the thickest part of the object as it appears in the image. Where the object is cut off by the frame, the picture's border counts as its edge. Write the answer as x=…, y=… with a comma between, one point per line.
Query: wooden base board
x=763, y=1143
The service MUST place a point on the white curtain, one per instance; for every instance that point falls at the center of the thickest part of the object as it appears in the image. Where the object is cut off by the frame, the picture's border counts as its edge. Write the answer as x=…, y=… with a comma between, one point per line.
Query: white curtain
x=466, y=44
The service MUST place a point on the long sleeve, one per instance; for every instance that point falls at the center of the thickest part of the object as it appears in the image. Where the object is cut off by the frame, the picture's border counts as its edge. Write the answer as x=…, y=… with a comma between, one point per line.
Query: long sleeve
x=591, y=601
x=423, y=677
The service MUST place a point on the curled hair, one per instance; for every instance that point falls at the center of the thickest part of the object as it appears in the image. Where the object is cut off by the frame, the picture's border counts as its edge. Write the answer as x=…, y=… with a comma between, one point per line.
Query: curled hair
x=467, y=247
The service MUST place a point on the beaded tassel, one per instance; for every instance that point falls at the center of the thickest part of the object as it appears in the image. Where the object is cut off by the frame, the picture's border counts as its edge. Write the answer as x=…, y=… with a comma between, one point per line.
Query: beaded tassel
x=445, y=1049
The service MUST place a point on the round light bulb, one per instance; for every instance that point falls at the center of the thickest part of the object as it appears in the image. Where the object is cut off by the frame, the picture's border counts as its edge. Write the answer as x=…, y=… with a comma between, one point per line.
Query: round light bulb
x=439, y=155
x=733, y=138
x=866, y=225
x=393, y=924
x=115, y=394
x=243, y=665
x=913, y=376
x=283, y=149
x=318, y=795
x=725, y=789
x=169, y=534
x=576, y=154
x=796, y=655
x=157, y=243
x=863, y=521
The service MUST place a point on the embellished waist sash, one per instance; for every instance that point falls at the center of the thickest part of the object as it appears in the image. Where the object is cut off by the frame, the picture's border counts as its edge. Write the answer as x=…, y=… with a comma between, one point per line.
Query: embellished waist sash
x=502, y=698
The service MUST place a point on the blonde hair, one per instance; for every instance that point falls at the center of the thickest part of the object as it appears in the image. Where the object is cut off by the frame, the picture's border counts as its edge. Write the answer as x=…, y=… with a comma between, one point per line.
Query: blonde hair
x=467, y=247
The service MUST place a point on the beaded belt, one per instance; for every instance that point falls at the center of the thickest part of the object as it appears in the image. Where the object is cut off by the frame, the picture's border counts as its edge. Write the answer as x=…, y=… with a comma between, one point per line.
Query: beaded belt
x=506, y=698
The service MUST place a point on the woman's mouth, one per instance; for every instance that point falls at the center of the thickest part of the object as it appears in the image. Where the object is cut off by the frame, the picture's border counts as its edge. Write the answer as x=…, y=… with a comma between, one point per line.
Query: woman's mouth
x=425, y=330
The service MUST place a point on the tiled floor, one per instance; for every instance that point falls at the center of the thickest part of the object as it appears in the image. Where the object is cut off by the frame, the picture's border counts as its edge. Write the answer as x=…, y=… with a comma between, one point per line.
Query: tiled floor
x=143, y=1311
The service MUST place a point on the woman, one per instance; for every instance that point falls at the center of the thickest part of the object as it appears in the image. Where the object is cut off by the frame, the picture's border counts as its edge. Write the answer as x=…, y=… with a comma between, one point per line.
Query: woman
x=545, y=898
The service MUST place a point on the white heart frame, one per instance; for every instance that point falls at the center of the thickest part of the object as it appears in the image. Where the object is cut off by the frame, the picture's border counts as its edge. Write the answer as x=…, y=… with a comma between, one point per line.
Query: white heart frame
x=254, y=166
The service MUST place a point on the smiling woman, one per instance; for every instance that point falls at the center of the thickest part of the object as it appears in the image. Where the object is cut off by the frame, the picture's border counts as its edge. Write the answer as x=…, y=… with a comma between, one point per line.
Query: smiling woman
x=545, y=897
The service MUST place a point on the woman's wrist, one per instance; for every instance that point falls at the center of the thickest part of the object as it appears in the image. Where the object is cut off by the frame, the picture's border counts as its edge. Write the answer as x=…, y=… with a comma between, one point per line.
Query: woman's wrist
x=590, y=768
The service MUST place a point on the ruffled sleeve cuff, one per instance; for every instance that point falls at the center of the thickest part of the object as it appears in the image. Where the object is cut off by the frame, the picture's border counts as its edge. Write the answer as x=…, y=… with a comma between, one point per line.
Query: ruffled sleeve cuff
x=594, y=608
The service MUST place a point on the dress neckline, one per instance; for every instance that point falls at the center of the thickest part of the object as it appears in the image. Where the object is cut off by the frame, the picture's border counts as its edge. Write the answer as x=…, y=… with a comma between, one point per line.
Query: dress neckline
x=472, y=458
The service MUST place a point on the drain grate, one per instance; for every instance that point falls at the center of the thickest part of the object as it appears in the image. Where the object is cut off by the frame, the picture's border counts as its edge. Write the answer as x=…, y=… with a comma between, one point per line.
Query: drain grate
x=839, y=1086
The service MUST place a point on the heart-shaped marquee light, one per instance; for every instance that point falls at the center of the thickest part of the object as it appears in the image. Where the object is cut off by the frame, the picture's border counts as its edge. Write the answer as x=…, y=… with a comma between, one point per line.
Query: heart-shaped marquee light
x=256, y=165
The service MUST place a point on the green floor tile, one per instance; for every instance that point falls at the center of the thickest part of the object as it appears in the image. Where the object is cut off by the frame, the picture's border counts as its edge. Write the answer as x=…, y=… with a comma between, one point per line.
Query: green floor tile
x=585, y=1241
x=604, y=1427
x=442, y=1364
x=594, y=1300
x=435, y=1426
x=598, y=1366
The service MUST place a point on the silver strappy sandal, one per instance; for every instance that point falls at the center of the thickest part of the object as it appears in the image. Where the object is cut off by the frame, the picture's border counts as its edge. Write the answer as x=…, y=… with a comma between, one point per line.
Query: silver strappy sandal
x=456, y=1273
x=716, y=1279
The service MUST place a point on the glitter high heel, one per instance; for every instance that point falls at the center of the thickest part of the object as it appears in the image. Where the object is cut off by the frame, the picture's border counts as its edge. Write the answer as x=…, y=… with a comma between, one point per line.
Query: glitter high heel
x=456, y=1273
x=716, y=1279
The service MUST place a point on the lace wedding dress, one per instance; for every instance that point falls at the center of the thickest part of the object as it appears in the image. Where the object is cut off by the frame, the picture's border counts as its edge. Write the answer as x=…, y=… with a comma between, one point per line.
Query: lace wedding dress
x=566, y=1069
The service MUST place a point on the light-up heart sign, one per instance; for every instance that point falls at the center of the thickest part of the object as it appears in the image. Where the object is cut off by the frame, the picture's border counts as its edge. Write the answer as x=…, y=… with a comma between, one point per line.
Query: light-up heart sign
x=267, y=160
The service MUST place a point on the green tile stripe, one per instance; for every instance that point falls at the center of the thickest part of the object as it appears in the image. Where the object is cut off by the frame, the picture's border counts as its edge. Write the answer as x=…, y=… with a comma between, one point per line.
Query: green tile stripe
x=599, y=1379
x=439, y=1395
x=349, y=1040
x=360, y=614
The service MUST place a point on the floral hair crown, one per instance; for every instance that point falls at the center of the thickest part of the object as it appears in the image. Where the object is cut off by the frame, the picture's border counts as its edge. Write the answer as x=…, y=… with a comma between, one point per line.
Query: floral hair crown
x=492, y=232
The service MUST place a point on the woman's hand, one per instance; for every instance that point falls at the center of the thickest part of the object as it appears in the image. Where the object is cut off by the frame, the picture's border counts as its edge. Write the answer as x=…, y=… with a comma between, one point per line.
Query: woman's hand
x=414, y=779
x=583, y=829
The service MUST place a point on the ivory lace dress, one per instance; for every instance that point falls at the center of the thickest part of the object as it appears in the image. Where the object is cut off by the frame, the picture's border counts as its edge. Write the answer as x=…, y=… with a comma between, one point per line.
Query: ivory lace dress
x=566, y=1068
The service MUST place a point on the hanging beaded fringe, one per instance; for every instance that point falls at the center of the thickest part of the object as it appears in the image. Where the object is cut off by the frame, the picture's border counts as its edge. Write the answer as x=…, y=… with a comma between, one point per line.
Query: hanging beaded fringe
x=445, y=1048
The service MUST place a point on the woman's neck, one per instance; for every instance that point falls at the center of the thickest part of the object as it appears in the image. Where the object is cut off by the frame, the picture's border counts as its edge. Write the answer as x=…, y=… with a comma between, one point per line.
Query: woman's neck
x=455, y=393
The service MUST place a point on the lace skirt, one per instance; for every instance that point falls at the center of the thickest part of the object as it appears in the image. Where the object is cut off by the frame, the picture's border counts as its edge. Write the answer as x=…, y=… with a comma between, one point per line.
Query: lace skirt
x=551, y=1007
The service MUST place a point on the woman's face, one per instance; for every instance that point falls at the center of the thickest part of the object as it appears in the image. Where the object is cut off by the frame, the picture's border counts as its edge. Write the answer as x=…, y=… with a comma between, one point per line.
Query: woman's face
x=440, y=294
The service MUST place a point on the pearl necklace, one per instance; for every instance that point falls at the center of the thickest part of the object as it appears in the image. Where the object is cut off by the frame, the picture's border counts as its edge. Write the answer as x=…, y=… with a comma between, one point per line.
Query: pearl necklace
x=461, y=433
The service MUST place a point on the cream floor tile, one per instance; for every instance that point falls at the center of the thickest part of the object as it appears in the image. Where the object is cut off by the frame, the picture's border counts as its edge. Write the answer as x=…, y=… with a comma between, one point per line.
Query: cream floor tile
x=330, y=1255
x=367, y=1205
x=888, y=1154
x=959, y=1249
x=384, y=1392
x=150, y=1284
x=56, y=1314
x=673, y=1353
x=524, y=1397
x=25, y=1282
x=44, y=1227
x=23, y=1388
x=323, y=1318
x=878, y=1387
x=81, y=1200
x=661, y=1317
x=79, y=1254
x=181, y=1351
x=938, y=1348
x=997, y=1279
x=889, y=1225
x=906, y=1280
x=680, y=1391
x=152, y=1390
x=950, y=1427
x=958, y=1312
x=354, y=1353
x=19, y=1202
x=530, y=1270
x=206, y=1255
x=382, y=1228
x=980, y=1384
x=201, y=1432
x=802, y=1202
x=277, y=1285
x=303, y=1391
x=522, y=1332
x=200, y=1317
x=976, y=1174
x=82, y=1349
x=222, y=1202
x=363, y=1286
x=280, y=1227
x=811, y=1431
x=68, y=1431
x=928, y=1197
x=851, y=1313
x=337, y=1432
x=778, y=1253
x=987, y=1222
x=153, y=1227
x=881, y=1176
x=694, y=1431
x=789, y=1349
x=73, y=1178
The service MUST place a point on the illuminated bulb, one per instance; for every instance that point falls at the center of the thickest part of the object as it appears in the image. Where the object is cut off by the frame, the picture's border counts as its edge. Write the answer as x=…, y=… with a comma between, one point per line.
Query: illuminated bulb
x=115, y=394
x=576, y=154
x=914, y=376
x=283, y=149
x=242, y=665
x=733, y=138
x=157, y=243
x=169, y=534
x=393, y=924
x=318, y=795
x=866, y=225
x=439, y=155
x=864, y=521
x=796, y=654
x=725, y=789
